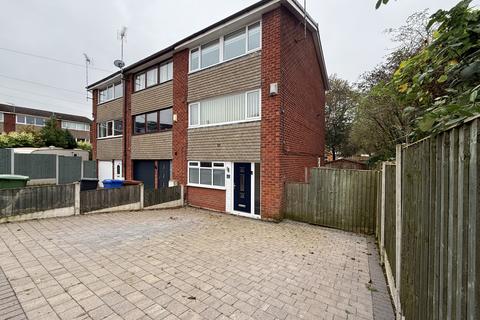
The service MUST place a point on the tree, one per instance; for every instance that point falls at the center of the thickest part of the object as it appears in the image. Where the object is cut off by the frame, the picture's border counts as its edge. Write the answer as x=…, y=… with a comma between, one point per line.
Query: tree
x=440, y=85
x=380, y=122
x=57, y=137
x=341, y=101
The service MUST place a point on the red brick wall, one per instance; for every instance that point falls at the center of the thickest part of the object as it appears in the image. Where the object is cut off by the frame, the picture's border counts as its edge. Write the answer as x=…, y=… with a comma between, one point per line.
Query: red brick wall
x=292, y=122
x=128, y=127
x=9, y=120
x=207, y=198
x=303, y=101
x=180, y=109
x=93, y=127
x=271, y=135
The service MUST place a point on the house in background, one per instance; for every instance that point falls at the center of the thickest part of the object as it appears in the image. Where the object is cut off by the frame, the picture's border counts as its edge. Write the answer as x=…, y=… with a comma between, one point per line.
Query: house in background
x=232, y=112
x=14, y=119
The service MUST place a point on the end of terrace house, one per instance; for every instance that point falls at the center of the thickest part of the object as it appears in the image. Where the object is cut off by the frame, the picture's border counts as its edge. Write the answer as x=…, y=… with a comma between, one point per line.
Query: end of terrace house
x=232, y=112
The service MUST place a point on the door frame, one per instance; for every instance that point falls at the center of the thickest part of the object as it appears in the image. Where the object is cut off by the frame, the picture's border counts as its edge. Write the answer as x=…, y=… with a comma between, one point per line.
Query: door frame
x=231, y=188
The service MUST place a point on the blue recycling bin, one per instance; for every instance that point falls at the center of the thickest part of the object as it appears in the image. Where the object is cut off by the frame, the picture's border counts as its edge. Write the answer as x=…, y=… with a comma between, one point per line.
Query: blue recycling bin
x=112, y=184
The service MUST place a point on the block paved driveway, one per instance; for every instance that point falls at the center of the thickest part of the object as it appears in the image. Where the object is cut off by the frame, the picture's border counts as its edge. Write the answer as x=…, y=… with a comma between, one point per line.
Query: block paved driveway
x=186, y=264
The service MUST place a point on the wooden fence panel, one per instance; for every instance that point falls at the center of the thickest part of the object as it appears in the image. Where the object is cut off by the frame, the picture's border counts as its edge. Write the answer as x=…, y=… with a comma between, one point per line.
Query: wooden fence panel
x=108, y=198
x=440, y=246
x=163, y=195
x=342, y=199
x=35, y=199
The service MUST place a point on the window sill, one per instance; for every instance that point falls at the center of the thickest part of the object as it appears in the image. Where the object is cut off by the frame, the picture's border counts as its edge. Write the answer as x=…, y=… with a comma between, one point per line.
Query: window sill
x=225, y=123
x=149, y=133
x=205, y=186
x=109, y=138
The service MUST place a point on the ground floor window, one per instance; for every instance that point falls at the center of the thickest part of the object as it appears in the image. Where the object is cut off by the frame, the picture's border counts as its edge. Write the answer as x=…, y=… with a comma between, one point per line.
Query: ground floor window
x=206, y=174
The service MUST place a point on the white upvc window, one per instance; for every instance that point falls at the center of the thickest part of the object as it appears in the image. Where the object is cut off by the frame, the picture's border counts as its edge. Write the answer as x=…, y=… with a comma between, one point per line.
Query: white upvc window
x=79, y=126
x=111, y=92
x=206, y=174
x=166, y=71
x=110, y=129
x=233, y=45
x=237, y=108
x=1, y=117
x=30, y=120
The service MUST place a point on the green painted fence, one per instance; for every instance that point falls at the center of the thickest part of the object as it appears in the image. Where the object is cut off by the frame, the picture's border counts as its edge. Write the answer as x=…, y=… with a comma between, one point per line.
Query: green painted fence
x=341, y=199
x=5, y=161
x=90, y=169
x=69, y=169
x=36, y=166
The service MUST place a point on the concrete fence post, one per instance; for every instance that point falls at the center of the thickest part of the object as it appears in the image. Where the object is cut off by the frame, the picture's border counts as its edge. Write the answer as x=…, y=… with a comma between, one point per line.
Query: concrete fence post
x=77, y=198
x=57, y=169
x=12, y=161
x=142, y=194
x=182, y=194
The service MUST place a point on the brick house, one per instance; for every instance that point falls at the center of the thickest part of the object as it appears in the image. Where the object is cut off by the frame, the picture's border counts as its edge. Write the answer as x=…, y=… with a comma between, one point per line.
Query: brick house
x=232, y=112
x=16, y=119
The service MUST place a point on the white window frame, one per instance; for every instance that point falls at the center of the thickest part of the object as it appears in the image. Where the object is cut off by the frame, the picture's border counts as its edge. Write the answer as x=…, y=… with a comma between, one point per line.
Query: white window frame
x=27, y=124
x=114, y=97
x=221, y=43
x=113, y=130
x=66, y=123
x=247, y=119
x=206, y=186
x=1, y=116
x=169, y=67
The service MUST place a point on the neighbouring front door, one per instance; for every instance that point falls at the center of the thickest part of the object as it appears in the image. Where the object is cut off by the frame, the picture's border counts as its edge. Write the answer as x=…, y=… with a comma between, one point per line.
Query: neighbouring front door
x=105, y=171
x=242, y=182
x=117, y=167
x=163, y=173
x=145, y=171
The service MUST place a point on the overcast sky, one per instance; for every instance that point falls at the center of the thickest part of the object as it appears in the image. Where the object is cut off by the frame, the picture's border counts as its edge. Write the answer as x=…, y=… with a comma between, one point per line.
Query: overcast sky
x=352, y=33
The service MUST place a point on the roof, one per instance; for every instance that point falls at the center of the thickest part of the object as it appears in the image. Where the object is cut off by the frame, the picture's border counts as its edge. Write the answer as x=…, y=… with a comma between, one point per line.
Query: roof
x=293, y=4
x=6, y=108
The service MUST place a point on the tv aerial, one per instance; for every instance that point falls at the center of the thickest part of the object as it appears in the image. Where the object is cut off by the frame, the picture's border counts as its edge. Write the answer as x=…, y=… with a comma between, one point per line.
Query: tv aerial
x=122, y=36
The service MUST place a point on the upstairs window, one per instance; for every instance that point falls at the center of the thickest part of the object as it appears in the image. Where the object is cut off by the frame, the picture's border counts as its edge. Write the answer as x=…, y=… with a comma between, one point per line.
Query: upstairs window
x=254, y=36
x=110, y=129
x=140, y=82
x=79, y=126
x=225, y=110
x=30, y=120
x=210, y=54
x=111, y=92
x=154, y=76
x=152, y=122
x=230, y=46
x=166, y=72
x=234, y=45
